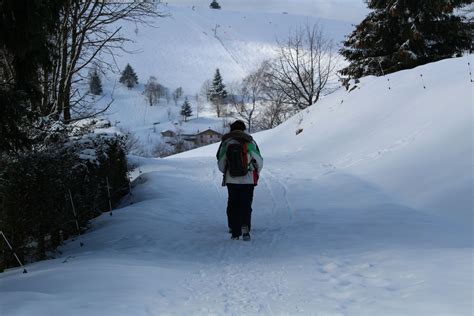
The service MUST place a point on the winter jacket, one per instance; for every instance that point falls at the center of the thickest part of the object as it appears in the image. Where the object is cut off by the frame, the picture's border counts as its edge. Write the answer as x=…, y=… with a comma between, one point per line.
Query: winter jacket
x=253, y=155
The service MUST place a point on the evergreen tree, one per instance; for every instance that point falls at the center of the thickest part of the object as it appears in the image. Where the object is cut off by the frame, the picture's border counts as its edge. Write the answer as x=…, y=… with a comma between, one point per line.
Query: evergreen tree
x=217, y=91
x=129, y=77
x=186, y=110
x=27, y=27
x=214, y=5
x=402, y=34
x=95, y=84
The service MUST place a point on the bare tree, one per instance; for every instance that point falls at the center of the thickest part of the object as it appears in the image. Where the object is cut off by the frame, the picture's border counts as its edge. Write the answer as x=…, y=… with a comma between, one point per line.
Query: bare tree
x=219, y=106
x=153, y=91
x=132, y=142
x=167, y=96
x=253, y=89
x=88, y=29
x=177, y=94
x=205, y=90
x=246, y=96
x=162, y=150
x=257, y=102
x=199, y=104
x=274, y=110
x=304, y=66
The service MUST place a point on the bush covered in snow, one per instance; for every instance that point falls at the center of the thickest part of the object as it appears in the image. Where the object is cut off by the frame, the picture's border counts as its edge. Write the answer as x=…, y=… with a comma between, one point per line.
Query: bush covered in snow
x=35, y=205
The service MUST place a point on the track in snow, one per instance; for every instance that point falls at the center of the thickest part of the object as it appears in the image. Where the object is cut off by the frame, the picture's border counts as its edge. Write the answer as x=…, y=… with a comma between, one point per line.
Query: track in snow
x=169, y=252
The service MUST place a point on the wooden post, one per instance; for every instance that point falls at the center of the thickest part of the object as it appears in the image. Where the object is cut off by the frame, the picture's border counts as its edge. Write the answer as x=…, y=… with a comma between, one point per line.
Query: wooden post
x=75, y=218
x=14, y=253
x=470, y=71
x=108, y=193
x=422, y=81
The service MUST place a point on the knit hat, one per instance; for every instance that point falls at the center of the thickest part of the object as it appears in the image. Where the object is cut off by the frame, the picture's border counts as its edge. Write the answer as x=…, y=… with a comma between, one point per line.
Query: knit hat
x=238, y=125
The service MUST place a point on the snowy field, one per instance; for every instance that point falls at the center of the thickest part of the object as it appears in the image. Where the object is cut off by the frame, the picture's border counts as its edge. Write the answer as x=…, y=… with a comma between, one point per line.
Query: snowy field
x=368, y=211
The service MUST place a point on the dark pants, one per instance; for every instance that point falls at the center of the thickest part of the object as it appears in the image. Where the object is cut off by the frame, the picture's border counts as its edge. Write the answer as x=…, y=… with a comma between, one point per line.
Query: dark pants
x=239, y=207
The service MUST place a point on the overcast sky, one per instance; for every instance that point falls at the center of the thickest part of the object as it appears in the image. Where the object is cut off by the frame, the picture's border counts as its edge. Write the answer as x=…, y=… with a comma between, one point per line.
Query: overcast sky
x=347, y=10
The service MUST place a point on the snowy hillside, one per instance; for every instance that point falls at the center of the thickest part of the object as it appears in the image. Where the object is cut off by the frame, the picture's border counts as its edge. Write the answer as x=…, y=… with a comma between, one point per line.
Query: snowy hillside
x=183, y=50
x=343, y=10
x=413, y=143
x=367, y=211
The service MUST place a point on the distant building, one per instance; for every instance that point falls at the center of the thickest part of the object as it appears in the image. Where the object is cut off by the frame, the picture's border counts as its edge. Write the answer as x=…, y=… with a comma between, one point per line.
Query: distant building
x=168, y=133
x=208, y=136
x=189, y=137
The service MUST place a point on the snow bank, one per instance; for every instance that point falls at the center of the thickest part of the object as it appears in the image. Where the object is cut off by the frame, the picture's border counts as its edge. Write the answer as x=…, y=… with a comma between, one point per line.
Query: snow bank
x=412, y=143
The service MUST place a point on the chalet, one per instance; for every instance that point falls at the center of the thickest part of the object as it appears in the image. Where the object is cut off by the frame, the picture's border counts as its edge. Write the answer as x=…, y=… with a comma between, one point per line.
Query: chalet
x=189, y=137
x=168, y=133
x=208, y=136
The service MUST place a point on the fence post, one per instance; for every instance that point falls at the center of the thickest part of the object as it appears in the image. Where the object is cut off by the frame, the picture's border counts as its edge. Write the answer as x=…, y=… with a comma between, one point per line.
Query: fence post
x=108, y=193
x=130, y=190
x=422, y=81
x=14, y=253
x=470, y=71
x=75, y=218
x=383, y=74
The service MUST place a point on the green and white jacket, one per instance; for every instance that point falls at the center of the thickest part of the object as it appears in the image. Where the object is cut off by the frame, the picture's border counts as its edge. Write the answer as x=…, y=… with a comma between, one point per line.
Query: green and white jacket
x=254, y=157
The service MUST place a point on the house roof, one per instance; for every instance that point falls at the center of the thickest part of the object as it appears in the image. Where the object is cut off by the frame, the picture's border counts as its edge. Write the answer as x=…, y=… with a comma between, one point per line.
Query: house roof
x=191, y=135
x=209, y=130
x=168, y=131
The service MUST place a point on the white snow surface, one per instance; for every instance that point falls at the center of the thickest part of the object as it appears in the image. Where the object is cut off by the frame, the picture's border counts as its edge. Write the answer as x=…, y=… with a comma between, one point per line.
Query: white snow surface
x=368, y=211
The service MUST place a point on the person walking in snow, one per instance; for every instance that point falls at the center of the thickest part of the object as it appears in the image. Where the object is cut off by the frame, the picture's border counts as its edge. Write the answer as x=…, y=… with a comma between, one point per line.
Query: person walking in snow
x=240, y=161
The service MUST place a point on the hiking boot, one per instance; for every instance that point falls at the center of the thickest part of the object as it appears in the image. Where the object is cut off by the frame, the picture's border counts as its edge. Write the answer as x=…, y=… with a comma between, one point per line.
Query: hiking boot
x=245, y=233
x=235, y=237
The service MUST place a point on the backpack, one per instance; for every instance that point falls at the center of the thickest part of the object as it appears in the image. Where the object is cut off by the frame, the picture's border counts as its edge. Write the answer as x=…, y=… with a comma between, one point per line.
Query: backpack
x=237, y=159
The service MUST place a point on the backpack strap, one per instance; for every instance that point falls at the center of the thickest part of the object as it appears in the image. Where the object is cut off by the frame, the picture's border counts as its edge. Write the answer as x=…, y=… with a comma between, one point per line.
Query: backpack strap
x=245, y=152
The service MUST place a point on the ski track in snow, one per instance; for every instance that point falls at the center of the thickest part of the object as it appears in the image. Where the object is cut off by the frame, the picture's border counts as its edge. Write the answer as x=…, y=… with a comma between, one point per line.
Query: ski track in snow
x=234, y=282
x=235, y=279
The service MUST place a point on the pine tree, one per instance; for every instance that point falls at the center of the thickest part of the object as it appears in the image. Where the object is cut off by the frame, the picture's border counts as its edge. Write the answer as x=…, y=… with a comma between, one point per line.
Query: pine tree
x=214, y=5
x=217, y=90
x=402, y=34
x=186, y=110
x=129, y=77
x=217, y=93
x=95, y=84
x=25, y=41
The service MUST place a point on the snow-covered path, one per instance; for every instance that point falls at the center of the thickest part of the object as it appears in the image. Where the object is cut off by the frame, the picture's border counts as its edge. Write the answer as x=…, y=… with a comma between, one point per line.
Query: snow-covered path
x=169, y=253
